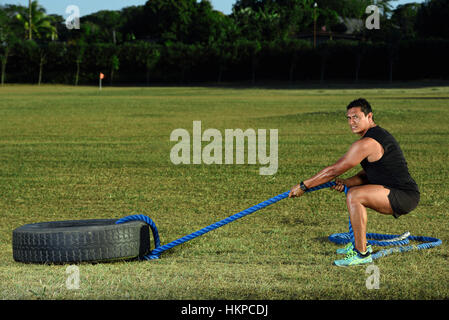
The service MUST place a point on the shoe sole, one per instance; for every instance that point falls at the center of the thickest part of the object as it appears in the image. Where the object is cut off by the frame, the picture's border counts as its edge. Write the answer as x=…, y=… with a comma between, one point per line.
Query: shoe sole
x=353, y=265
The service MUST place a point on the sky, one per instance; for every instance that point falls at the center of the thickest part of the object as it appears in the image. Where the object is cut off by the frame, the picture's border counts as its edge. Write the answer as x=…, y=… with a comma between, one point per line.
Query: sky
x=90, y=6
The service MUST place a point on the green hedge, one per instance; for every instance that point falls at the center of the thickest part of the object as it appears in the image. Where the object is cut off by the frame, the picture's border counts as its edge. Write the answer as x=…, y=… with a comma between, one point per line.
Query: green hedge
x=144, y=63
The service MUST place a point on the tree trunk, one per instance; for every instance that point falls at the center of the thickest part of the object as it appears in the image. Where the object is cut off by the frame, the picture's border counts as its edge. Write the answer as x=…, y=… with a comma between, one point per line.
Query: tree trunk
x=323, y=69
x=77, y=72
x=391, y=70
x=41, y=67
x=220, y=73
x=292, y=70
x=357, y=67
x=183, y=74
x=4, y=61
x=253, y=71
x=29, y=21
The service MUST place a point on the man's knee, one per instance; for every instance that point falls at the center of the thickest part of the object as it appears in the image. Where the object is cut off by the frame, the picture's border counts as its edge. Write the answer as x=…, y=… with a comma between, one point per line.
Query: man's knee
x=373, y=197
x=354, y=196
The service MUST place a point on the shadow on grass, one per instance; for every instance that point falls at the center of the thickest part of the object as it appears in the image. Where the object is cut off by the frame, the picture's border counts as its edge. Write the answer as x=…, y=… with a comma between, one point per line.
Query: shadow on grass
x=322, y=240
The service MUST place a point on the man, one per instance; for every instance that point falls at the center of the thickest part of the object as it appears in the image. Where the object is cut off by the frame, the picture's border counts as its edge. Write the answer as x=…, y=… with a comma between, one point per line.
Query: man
x=384, y=184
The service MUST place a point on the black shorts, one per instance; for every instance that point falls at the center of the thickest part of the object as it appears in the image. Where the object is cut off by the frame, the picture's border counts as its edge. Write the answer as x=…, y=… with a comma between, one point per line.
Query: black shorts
x=402, y=201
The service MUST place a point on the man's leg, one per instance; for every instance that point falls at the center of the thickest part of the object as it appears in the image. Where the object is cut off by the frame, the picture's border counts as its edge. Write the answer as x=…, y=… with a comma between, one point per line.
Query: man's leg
x=358, y=199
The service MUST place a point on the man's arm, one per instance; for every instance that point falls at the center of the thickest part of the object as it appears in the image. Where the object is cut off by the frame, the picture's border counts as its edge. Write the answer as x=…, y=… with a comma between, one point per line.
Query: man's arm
x=358, y=151
x=357, y=180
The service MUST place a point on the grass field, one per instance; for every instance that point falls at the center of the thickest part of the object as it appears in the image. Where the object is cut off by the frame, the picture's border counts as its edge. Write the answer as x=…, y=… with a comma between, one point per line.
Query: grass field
x=76, y=153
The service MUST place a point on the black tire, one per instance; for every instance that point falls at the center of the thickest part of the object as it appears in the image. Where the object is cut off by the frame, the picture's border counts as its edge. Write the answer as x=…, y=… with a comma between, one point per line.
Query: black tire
x=96, y=240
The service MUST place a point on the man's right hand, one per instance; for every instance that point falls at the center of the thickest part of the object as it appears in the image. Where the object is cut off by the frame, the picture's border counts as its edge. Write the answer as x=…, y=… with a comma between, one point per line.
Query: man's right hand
x=340, y=184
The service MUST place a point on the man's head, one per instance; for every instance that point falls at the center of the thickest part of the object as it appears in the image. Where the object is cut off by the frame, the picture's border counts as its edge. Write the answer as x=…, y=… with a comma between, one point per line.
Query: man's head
x=360, y=116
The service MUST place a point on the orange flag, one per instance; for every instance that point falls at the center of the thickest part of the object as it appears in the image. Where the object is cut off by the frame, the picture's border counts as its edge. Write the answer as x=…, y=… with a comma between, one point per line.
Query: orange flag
x=101, y=76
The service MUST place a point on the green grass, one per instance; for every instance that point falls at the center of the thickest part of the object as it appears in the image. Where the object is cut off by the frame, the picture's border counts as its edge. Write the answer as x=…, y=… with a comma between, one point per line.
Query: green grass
x=77, y=153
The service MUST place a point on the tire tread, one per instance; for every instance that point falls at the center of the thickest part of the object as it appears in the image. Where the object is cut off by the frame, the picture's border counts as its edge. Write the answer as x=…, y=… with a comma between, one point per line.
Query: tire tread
x=79, y=243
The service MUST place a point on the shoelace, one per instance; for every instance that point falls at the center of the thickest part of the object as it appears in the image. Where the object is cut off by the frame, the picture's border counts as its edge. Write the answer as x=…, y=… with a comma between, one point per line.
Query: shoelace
x=350, y=254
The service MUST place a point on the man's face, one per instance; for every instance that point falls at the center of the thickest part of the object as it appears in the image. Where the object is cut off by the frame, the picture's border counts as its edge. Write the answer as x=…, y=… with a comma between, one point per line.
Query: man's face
x=357, y=120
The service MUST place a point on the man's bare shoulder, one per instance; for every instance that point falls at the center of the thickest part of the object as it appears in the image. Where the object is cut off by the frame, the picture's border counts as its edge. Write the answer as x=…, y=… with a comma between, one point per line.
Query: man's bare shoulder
x=370, y=147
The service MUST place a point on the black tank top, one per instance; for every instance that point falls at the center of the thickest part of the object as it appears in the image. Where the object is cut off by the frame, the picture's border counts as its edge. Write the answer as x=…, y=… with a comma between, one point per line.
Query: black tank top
x=391, y=170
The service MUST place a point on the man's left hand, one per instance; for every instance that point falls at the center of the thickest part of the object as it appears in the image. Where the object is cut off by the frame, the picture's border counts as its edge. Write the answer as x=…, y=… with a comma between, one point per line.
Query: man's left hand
x=296, y=191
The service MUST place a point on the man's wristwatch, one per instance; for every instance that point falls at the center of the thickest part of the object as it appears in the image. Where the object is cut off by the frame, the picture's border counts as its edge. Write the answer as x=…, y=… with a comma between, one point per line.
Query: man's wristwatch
x=302, y=186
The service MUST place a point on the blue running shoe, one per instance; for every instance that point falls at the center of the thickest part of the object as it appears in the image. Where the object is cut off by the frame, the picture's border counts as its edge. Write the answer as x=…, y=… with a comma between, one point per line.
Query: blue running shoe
x=350, y=246
x=354, y=257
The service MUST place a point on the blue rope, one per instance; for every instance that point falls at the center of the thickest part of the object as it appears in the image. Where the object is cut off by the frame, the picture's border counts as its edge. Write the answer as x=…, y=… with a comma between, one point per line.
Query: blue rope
x=340, y=238
x=155, y=254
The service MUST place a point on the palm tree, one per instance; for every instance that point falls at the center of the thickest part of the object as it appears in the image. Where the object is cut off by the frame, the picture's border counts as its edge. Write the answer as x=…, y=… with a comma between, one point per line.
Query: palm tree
x=9, y=35
x=30, y=35
x=36, y=22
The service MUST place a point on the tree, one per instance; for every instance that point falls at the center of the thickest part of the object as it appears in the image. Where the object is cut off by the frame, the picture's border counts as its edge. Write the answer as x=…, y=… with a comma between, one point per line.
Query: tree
x=42, y=61
x=209, y=24
x=41, y=52
x=183, y=57
x=36, y=54
x=347, y=8
x=431, y=19
x=8, y=38
x=323, y=50
x=393, y=42
x=385, y=7
x=250, y=49
x=360, y=50
x=104, y=25
x=132, y=22
x=404, y=16
x=35, y=22
x=261, y=23
x=168, y=20
x=223, y=53
x=221, y=46
x=80, y=49
x=292, y=16
x=292, y=48
x=296, y=16
x=146, y=54
x=30, y=20
x=115, y=65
